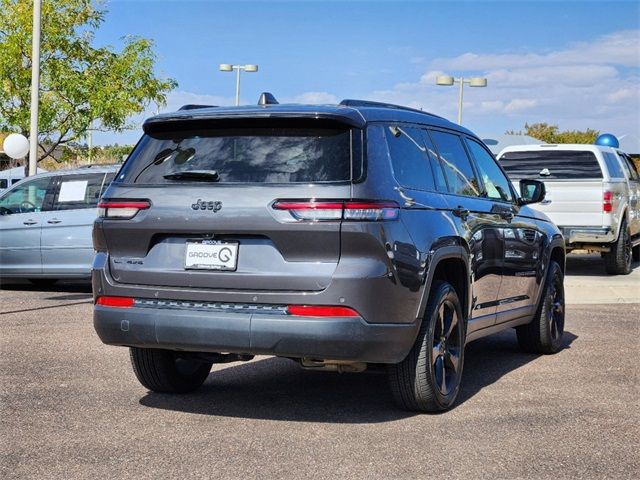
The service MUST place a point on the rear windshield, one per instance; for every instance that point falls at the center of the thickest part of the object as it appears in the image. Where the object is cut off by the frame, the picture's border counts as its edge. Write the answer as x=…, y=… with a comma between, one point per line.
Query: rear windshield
x=283, y=154
x=553, y=165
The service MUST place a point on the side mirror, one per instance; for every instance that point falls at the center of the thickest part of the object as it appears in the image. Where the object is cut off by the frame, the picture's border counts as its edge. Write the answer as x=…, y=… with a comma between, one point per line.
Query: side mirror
x=531, y=191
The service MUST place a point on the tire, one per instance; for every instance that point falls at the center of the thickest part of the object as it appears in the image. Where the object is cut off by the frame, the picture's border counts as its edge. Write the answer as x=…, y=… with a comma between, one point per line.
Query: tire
x=164, y=371
x=618, y=260
x=428, y=379
x=43, y=282
x=544, y=334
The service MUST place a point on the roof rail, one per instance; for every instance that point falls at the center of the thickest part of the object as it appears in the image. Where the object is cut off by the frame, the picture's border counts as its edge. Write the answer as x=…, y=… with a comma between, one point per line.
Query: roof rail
x=348, y=102
x=193, y=106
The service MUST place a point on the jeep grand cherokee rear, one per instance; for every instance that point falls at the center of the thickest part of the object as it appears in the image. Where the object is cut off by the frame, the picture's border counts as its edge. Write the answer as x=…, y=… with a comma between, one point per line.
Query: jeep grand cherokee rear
x=313, y=233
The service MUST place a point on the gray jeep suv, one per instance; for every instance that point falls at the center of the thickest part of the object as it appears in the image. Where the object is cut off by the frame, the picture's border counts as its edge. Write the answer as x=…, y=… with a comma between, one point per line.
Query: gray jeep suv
x=338, y=236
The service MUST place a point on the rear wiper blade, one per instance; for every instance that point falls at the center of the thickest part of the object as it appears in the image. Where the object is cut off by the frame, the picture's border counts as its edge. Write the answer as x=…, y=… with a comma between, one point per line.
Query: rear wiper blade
x=195, y=175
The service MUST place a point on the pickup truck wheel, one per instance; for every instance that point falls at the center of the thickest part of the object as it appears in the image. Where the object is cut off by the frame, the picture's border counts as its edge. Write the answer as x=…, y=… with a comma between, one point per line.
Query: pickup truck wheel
x=428, y=379
x=618, y=260
x=544, y=333
x=164, y=371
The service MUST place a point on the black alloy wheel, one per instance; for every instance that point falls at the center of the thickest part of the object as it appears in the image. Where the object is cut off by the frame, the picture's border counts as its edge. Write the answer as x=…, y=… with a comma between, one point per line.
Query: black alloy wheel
x=428, y=379
x=445, y=356
x=545, y=332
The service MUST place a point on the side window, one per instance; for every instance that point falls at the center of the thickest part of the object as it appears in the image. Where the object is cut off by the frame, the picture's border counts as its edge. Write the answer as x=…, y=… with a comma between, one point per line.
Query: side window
x=27, y=198
x=629, y=167
x=78, y=191
x=494, y=180
x=458, y=172
x=613, y=165
x=4, y=183
x=409, y=158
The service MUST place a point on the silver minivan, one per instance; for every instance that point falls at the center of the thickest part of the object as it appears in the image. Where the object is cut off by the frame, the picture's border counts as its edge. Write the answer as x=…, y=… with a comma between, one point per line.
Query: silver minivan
x=45, y=224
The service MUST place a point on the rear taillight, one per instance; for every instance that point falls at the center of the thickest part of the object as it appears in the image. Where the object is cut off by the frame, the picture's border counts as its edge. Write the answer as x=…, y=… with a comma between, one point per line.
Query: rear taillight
x=607, y=202
x=327, y=210
x=118, y=302
x=321, y=311
x=121, y=209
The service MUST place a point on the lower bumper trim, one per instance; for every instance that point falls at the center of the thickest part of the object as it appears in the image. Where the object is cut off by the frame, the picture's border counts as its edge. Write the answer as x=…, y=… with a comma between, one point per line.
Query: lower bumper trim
x=327, y=338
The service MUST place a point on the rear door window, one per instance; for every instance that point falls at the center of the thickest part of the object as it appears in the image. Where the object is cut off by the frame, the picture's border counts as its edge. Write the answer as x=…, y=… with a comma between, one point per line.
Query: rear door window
x=261, y=154
x=456, y=165
x=551, y=165
x=409, y=158
x=75, y=192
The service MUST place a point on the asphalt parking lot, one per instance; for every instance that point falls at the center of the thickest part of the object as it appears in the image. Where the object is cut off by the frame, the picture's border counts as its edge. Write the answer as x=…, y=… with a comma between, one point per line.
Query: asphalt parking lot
x=71, y=407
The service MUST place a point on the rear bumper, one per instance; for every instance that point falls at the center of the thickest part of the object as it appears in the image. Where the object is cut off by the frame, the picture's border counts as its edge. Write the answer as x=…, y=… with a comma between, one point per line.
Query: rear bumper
x=579, y=235
x=327, y=338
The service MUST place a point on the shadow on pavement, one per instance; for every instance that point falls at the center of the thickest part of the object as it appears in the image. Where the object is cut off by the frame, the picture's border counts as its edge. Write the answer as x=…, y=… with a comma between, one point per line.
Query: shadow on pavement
x=589, y=265
x=65, y=286
x=489, y=359
x=278, y=389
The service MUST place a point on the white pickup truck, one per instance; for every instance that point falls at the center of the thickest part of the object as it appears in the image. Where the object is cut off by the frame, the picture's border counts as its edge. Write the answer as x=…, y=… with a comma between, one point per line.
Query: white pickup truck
x=592, y=195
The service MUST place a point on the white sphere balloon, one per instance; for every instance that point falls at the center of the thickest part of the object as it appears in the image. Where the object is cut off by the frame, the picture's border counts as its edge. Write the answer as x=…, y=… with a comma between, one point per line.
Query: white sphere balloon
x=16, y=145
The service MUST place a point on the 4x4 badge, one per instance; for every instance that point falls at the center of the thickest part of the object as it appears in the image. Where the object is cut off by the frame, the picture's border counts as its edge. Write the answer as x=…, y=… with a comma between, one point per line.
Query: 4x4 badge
x=200, y=205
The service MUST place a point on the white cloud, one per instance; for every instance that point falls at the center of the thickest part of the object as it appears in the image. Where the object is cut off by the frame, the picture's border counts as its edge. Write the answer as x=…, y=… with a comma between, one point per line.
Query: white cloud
x=592, y=84
x=315, y=98
x=520, y=104
x=622, y=94
x=585, y=85
x=619, y=48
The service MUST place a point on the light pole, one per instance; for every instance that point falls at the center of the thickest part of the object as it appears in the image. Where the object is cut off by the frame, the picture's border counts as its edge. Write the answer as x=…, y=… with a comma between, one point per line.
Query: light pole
x=447, y=81
x=226, y=67
x=35, y=88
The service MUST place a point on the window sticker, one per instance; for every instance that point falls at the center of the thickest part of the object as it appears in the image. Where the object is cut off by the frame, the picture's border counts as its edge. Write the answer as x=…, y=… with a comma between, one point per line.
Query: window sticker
x=73, y=191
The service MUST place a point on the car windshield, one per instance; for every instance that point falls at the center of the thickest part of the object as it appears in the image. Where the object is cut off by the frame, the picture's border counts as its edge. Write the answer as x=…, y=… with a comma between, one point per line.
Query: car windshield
x=241, y=155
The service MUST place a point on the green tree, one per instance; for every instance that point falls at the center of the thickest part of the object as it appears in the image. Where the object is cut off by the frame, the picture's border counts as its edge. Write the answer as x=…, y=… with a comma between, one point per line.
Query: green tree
x=81, y=84
x=552, y=134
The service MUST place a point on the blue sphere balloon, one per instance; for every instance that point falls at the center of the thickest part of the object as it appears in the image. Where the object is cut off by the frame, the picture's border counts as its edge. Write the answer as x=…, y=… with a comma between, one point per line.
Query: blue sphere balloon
x=608, y=140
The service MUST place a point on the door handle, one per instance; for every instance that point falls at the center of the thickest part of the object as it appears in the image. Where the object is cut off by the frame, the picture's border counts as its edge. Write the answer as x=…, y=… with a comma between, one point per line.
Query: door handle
x=461, y=212
x=545, y=202
x=54, y=220
x=29, y=222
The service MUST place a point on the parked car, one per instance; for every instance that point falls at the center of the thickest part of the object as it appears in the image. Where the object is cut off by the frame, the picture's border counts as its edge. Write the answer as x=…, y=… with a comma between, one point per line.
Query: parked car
x=46, y=221
x=339, y=236
x=592, y=195
x=12, y=176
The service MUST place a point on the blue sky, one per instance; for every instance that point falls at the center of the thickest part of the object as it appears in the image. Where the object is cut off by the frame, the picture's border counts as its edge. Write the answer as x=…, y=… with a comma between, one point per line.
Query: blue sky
x=573, y=63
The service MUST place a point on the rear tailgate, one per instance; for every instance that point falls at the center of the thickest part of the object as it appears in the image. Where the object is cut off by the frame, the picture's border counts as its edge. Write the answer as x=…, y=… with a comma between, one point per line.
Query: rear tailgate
x=573, y=180
x=150, y=249
x=234, y=207
x=571, y=203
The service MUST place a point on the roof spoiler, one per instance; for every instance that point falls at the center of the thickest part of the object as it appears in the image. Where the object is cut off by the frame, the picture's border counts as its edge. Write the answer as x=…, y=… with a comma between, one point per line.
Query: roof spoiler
x=194, y=106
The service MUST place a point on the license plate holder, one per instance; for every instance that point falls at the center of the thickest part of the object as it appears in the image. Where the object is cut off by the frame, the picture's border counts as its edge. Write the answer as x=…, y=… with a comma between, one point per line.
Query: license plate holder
x=221, y=255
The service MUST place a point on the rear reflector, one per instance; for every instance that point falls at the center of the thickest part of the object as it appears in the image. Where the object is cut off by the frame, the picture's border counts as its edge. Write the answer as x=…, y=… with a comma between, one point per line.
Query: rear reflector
x=357, y=210
x=607, y=203
x=122, y=209
x=321, y=311
x=119, y=302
